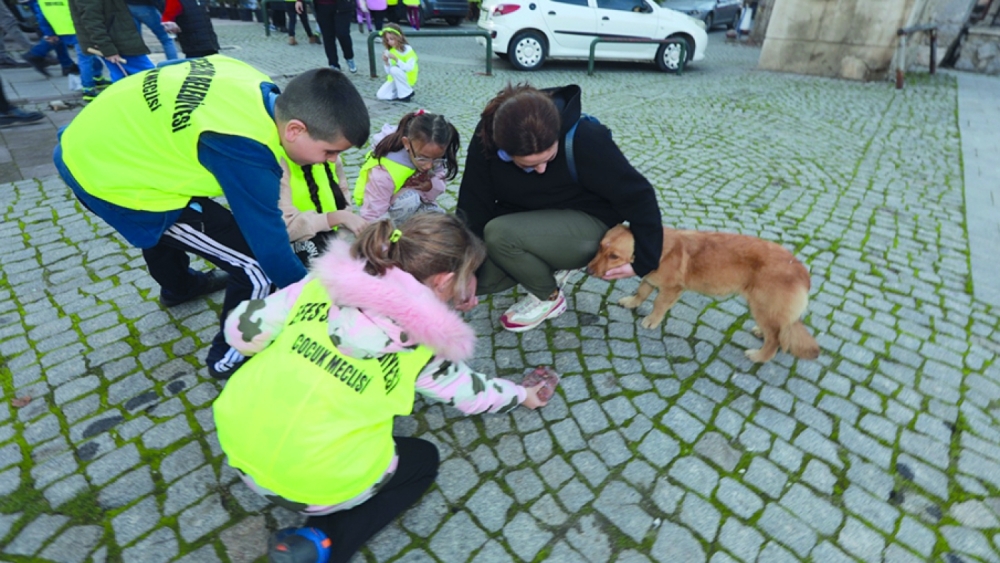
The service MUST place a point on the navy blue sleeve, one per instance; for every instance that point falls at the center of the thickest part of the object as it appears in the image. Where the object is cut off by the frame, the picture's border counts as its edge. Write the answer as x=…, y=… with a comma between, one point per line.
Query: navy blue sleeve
x=250, y=177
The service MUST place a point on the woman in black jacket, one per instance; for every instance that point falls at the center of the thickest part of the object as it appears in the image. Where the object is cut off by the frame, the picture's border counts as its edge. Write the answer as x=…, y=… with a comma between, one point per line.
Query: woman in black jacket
x=539, y=218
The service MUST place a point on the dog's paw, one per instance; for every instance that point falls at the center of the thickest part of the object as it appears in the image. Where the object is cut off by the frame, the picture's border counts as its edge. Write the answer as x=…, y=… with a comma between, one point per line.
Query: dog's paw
x=756, y=356
x=651, y=322
x=630, y=302
x=756, y=331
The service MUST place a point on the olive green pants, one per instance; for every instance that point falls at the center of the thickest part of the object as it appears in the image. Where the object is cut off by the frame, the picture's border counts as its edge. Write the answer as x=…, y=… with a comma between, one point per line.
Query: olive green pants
x=526, y=248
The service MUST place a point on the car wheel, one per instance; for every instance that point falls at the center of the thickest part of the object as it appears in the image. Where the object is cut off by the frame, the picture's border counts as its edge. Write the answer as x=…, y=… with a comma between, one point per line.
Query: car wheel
x=709, y=21
x=453, y=21
x=736, y=20
x=527, y=51
x=668, y=56
x=502, y=56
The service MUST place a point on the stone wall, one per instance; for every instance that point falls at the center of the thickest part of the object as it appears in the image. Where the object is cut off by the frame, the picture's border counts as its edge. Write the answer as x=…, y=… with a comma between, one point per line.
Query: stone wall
x=854, y=39
x=981, y=51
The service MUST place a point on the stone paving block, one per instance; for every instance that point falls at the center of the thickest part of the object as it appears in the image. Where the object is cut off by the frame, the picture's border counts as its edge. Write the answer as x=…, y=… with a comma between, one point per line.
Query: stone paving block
x=741, y=500
x=457, y=477
x=861, y=541
x=189, y=489
x=590, y=467
x=202, y=518
x=158, y=547
x=741, y=540
x=33, y=536
x=619, y=503
x=65, y=490
x=181, y=461
x=971, y=542
x=574, y=495
x=590, y=539
x=459, y=537
x=787, y=530
x=681, y=423
x=126, y=489
x=674, y=543
x=765, y=476
x=426, y=515
x=74, y=544
x=700, y=516
x=113, y=464
x=164, y=434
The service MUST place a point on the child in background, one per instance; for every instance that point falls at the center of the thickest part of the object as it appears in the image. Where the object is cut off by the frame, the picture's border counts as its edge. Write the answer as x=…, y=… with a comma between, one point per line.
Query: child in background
x=364, y=16
x=56, y=22
x=406, y=171
x=400, y=62
x=189, y=20
x=334, y=358
x=314, y=204
x=296, y=8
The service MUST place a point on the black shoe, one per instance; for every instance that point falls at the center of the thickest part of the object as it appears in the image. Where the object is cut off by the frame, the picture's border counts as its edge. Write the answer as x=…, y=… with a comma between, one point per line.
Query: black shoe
x=207, y=283
x=37, y=63
x=8, y=62
x=17, y=115
x=407, y=98
x=224, y=374
x=71, y=69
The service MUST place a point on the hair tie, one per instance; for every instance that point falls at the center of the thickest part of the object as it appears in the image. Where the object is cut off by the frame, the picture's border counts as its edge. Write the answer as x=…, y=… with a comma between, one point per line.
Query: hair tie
x=395, y=236
x=419, y=112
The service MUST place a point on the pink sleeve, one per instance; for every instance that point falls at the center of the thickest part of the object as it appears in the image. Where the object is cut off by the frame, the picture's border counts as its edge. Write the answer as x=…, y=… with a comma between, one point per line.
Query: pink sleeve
x=378, y=194
x=437, y=188
x=471, y=392
x=254, y=323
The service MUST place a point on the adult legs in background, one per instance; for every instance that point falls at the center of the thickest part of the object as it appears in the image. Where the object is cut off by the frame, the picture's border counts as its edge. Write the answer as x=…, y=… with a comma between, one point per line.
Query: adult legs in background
x=150, y=17
x=10, y=115
x=378, y=19
x=350, y=529
x=528, y=247
x=326, y=18
x=342, y=27
x=37, y=54
x=290, y=10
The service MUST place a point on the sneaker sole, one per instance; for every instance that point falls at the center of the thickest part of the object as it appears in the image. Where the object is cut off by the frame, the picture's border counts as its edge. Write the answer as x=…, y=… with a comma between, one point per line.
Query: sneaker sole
x=522, y=328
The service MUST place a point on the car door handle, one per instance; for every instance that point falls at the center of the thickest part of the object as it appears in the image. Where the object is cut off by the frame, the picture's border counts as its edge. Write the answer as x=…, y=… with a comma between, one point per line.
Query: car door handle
x=552, y=13
x=606, y=18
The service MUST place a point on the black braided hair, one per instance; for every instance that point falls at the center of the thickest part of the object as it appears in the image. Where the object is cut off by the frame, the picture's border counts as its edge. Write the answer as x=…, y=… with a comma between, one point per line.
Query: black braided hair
x=338, y=196
x=313, y=187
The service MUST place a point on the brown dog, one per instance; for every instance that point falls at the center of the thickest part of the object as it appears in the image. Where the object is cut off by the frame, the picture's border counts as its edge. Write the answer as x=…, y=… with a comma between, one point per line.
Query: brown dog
x=774, y=283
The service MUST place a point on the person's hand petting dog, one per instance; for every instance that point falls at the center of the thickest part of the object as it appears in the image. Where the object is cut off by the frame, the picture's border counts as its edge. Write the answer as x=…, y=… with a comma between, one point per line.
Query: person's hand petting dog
x=620, y=272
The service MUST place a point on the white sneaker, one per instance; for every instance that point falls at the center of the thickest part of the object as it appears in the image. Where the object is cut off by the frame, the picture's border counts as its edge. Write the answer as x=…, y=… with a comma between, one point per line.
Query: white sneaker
x=529, y=312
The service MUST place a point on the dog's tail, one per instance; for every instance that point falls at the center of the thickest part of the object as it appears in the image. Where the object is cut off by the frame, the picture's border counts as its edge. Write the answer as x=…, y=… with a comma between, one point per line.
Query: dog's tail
x=796, y=340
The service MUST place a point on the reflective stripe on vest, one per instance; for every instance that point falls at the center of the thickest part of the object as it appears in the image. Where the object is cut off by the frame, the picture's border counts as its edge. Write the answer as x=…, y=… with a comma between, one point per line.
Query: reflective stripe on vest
x=307, y=422
x=56, y=12
x=411, y=76
x=137, y=146
x=399, y=173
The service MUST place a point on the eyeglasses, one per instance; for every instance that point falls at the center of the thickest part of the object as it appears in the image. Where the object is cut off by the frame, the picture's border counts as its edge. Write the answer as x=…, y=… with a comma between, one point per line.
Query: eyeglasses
x=435, y=163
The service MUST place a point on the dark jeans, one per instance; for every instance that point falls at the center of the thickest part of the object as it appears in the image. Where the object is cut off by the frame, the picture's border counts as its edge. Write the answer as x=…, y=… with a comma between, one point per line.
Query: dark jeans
x=350, y=529
x=304, y=16
x=378, y=19
x=331, y=25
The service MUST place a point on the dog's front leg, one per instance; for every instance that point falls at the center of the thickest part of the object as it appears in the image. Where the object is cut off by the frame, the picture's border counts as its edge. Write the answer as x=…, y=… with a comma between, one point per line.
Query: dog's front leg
x=633, y=301
x=663, y=302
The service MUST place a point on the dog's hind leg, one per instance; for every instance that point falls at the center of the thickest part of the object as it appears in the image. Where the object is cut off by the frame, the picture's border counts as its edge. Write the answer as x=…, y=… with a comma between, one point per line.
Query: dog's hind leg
x=666, y=299
x=768, y=350
x=641, y=294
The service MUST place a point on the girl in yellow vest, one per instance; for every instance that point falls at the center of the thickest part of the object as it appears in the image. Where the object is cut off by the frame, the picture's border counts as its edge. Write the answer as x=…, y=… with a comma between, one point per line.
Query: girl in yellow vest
x=314, y=205
x=400, y=62
x=406, y=171
x=334, y=358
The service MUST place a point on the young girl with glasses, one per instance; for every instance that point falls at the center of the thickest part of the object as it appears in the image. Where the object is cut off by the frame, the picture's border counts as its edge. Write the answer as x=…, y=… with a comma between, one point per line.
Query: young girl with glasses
x=406, y=171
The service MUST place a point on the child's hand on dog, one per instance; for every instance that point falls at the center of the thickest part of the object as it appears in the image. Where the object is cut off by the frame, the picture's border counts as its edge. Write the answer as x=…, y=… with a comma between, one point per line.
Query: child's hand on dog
x=532, y=401
x=623, y=271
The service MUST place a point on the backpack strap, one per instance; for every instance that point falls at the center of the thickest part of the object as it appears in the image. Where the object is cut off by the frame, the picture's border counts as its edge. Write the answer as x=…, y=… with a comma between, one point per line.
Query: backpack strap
x=568, y=144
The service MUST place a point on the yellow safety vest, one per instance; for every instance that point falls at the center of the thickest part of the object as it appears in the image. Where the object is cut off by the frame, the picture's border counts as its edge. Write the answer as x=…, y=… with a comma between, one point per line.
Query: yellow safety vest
x=137, y=145
x=399, y=173
x=391, y=2
x=56, y=12
x=411, y=3
x=309, y=423
x=411, y=76
x=300, y=188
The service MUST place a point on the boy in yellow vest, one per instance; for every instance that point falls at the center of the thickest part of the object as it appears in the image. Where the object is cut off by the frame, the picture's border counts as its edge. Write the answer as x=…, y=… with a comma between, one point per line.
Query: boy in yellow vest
x=149, y=155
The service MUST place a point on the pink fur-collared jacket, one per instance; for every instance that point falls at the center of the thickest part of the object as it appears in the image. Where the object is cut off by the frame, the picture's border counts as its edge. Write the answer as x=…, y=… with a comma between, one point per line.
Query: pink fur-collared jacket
x=372, y=316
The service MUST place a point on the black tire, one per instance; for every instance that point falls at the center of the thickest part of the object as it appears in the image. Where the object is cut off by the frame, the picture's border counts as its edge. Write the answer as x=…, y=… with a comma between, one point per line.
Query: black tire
x=709, y=21
x=526, y=51
x=736, y=20
x=454, y=21
x=668, y=55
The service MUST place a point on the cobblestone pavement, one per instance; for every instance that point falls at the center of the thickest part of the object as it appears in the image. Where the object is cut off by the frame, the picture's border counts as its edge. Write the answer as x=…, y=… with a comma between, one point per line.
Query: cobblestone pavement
x=661, y=445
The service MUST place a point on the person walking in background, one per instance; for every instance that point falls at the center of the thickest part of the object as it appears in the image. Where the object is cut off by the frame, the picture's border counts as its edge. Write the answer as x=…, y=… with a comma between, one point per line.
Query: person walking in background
x=10, y=28
x=400, y=62
x=307, y=421
x=377, y=9
x=55, y=18
x=189, y=20
x=297, y=8
x=52, y=40
x=413, y=13
x=10, y=115
x=144, y=12
x=105, y=28
x=334, y=18
x=364, y=16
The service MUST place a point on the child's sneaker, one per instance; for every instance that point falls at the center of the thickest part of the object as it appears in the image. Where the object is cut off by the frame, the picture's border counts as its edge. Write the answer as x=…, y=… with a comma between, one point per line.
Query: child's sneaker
x=529, y=312
x=351, y=66
x=298, y=545
x=89, y=94
x=101, y=82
